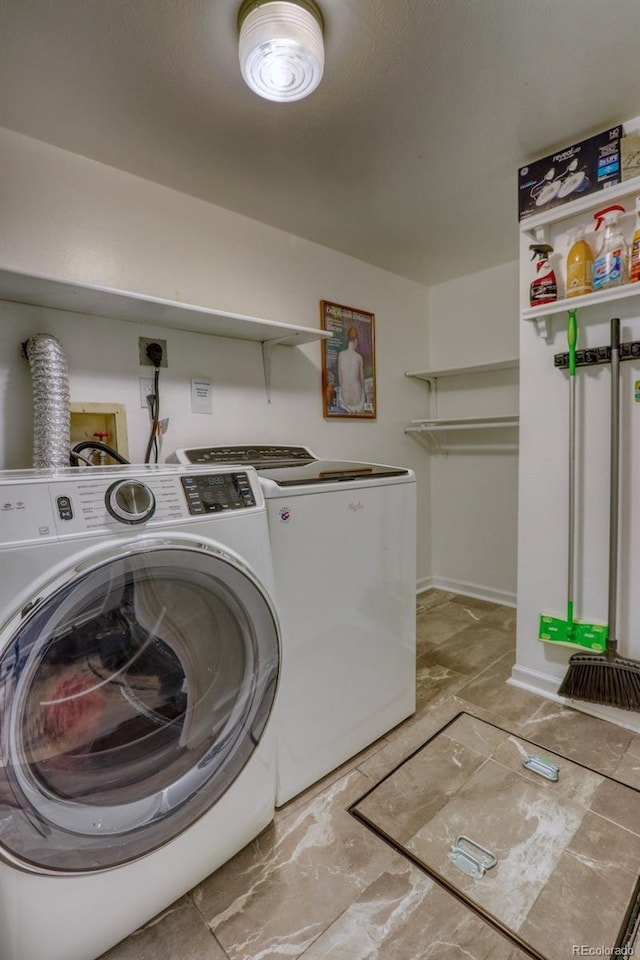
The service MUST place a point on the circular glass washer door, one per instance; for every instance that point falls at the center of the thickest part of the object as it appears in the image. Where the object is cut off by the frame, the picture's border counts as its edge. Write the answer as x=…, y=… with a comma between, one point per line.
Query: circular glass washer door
x=131, y=696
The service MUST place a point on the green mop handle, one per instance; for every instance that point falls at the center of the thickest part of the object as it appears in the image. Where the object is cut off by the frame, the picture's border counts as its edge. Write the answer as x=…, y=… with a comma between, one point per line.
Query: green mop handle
x=572, y=340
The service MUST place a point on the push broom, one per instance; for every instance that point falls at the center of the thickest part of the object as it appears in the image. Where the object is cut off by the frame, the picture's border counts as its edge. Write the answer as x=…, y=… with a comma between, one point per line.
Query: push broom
x=569, y=632
x=608, y=679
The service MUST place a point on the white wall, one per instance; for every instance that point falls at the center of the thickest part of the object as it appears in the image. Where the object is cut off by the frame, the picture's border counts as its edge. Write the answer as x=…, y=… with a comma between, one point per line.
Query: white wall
x=74, y=219
x=542, y=566
x=474, y=493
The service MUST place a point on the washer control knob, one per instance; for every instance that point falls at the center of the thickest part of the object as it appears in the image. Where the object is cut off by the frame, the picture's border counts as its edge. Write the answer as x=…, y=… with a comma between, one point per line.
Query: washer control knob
x=130, y=501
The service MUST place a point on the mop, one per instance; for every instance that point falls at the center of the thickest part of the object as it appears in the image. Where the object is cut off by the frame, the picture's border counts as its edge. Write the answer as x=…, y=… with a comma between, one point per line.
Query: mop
x=608, y=679
x=569, y=632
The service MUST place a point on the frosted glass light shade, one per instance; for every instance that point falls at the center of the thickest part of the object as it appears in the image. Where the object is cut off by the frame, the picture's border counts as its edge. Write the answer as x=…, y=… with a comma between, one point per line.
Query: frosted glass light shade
x=281, y=49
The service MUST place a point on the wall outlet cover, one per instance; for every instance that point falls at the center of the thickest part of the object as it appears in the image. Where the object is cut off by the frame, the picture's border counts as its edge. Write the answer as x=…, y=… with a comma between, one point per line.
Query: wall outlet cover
x=146, y=389
x=143, y=343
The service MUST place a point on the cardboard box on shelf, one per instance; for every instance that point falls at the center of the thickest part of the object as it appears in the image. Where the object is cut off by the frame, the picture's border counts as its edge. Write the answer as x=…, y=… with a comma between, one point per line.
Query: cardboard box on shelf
x=572, y=172
x=630, y=153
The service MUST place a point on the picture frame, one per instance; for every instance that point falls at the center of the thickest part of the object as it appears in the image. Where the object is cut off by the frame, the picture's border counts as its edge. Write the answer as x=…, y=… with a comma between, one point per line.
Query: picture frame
x=348, y=362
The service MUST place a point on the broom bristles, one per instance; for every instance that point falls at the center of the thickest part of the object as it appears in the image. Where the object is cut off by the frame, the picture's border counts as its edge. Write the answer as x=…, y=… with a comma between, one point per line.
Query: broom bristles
x=614, y=682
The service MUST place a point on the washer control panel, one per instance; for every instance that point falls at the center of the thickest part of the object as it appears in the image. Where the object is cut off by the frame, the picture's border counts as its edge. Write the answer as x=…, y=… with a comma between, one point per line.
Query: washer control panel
x=75, y=502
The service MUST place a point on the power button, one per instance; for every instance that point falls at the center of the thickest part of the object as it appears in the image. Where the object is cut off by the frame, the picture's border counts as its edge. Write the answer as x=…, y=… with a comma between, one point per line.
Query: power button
x=65, y=510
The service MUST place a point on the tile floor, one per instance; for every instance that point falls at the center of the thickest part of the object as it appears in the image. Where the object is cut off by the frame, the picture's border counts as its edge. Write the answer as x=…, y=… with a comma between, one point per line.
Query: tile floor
x=319, y=885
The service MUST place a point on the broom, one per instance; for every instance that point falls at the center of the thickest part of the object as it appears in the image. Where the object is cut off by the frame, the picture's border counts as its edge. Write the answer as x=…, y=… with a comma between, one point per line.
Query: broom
x=608, y=679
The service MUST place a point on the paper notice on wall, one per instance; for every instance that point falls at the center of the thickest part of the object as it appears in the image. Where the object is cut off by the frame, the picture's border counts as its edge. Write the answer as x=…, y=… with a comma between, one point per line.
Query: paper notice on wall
x=201, y=400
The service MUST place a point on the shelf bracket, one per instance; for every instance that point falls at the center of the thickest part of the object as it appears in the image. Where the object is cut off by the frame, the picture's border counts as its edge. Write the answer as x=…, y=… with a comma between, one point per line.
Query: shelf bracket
x=433, y=396
x=434, y=446
x=543, y=328
x=267, y=347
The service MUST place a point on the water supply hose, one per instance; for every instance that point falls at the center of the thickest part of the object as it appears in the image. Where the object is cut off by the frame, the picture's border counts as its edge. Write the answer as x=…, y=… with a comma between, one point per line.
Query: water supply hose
x=51, y=403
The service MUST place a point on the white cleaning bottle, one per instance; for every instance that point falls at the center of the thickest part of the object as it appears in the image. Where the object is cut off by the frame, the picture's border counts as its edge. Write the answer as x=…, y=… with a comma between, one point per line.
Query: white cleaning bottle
x=610, y=264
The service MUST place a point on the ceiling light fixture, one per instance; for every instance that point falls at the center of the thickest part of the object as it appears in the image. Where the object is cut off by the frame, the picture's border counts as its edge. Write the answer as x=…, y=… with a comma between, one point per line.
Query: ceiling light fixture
x=281, y=49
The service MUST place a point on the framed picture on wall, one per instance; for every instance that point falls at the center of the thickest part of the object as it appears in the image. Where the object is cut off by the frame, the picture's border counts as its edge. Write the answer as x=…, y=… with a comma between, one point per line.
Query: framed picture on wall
x=348, y=362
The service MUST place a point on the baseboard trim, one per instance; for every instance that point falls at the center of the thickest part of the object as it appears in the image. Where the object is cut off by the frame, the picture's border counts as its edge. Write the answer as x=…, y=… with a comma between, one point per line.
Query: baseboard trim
x=547, y=686
x=465, y=589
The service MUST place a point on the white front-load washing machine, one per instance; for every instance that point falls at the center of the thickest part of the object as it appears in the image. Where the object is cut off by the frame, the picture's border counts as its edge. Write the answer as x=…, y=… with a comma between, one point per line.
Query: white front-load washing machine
x=343, y=541
x=139, y=663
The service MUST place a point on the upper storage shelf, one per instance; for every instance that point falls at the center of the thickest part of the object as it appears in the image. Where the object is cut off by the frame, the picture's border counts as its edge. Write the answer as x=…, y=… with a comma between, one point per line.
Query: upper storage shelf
x=138, y=308
x=601, y=198
x=547, y=226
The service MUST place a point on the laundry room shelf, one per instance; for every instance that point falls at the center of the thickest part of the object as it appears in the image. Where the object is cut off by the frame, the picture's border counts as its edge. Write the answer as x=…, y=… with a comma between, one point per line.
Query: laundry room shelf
x=460, y=371
x=98, y=301
x=429, y=426
x=551, y=226
x=139, y=308
x=601, y=198
x=461, y=423
x=430, y=429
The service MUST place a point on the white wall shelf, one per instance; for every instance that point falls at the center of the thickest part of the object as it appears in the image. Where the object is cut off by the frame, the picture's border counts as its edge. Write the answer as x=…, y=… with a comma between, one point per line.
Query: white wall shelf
x=539, y=228
x=99, y=301
x=430, y=429
x=460, y=371
x=601, y=198
x=435, y=424
x=461, y=423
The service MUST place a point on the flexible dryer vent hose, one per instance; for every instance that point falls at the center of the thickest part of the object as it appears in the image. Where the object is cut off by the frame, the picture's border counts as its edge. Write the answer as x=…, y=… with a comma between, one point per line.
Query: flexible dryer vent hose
x=51, y=404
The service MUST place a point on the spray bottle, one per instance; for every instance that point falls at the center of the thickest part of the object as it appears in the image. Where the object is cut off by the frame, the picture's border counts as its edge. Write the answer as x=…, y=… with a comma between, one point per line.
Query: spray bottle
x=610, y=264
x=544, y=288
x=634, y=258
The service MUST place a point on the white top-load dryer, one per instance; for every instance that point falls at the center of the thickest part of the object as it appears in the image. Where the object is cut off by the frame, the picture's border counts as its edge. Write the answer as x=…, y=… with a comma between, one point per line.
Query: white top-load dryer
x=343, y=541
x=139, y=659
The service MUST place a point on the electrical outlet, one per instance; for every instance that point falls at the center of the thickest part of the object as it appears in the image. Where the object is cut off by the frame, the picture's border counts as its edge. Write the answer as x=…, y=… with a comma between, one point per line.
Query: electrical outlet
x=143, y=343
x=146, y=388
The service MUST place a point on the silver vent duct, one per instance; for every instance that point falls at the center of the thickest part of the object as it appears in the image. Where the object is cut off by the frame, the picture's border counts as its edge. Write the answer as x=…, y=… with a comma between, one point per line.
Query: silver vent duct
x=51, y=404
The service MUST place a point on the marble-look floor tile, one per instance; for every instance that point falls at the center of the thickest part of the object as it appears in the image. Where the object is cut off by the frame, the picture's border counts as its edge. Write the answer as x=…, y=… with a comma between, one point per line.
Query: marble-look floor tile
x=579, y=736
x=574, y=909
x=491, y=691
x=406, y=916
x=435, y=682
x=442, y=622
x=473, y=603
x=470, y=731
x=411, y=796
x=612, y=801
x=607, y=848
x=178, y=933
x=407, y=738
x=576, y=783
x=282, y=891
x=431, y=598
x=471, y=650
x=527, y=828
x=628, y=770
x=503, y=618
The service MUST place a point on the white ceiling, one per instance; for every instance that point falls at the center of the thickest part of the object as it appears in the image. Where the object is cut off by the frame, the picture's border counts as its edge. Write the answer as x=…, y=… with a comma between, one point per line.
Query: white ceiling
x=405, y=157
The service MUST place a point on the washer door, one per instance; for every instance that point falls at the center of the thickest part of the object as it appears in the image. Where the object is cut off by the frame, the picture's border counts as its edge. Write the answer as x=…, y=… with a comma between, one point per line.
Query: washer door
x=131, y=696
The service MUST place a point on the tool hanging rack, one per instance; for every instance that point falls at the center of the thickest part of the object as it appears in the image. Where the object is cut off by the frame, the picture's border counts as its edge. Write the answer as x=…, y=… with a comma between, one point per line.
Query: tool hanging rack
x=595, y=356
